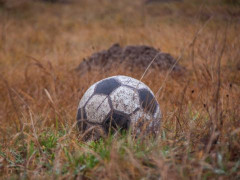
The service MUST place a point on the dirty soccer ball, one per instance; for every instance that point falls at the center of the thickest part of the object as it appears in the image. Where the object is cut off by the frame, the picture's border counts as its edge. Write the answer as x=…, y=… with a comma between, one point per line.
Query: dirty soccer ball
x=119, y=103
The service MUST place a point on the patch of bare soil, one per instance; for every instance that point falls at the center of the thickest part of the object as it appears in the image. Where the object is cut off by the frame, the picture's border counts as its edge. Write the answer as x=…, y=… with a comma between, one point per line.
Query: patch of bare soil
x=130, y=56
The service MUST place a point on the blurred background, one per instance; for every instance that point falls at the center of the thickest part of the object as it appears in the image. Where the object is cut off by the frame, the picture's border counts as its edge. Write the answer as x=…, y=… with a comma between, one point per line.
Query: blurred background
x=74, y=29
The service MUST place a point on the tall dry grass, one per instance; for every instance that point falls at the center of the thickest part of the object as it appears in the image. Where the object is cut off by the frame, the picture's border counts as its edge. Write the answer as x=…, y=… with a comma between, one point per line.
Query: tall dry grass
x=41, y=45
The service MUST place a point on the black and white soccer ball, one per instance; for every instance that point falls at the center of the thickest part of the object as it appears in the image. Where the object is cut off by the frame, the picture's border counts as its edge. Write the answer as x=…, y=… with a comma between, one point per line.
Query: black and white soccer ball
x=119, y=102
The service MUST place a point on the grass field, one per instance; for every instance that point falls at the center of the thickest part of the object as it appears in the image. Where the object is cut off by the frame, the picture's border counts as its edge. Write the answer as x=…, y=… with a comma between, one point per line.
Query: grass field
x=42, y=43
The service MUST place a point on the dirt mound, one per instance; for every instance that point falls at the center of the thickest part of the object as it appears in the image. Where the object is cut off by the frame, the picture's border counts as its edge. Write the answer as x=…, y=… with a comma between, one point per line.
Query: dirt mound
x=131, y=57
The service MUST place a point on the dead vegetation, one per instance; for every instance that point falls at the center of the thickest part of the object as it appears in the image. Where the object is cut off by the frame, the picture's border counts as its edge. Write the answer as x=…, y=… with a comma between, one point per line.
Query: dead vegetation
x=39, y=91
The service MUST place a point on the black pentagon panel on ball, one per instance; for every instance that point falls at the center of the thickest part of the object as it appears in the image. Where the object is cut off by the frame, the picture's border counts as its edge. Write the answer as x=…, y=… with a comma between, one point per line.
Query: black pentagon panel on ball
x=107, y=86
x=147, y=100
x=81, y=119
x=116, y=120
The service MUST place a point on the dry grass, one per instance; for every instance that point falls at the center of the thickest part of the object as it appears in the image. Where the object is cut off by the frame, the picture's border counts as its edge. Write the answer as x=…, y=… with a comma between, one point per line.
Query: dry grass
x=41, y=44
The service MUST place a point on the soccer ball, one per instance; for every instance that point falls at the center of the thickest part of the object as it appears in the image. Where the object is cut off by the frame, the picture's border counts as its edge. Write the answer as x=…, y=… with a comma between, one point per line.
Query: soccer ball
x=119, y=103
